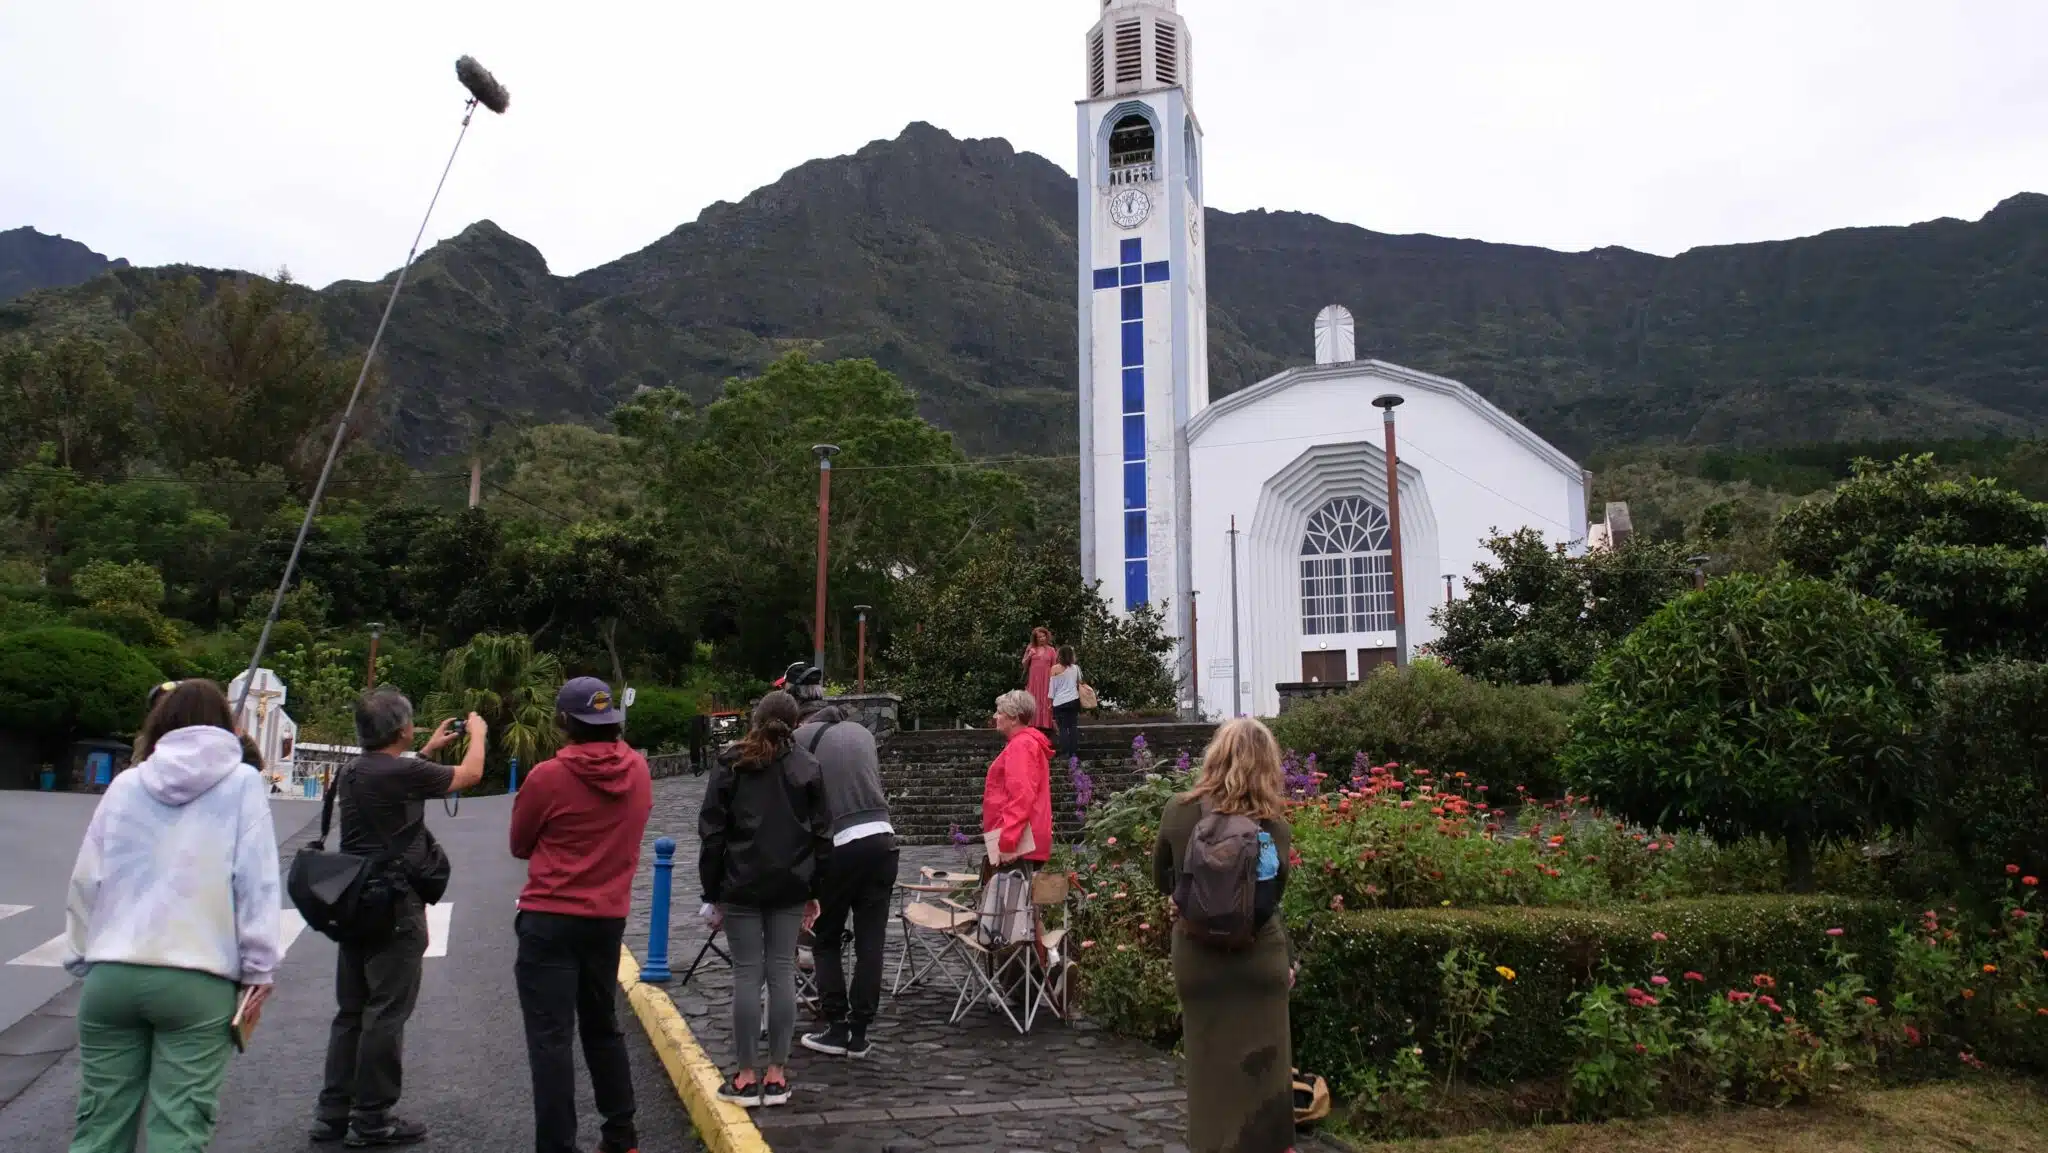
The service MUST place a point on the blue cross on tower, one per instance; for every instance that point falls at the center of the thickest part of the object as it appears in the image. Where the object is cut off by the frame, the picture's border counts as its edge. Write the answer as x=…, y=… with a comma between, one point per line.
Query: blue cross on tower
x=1129, y=278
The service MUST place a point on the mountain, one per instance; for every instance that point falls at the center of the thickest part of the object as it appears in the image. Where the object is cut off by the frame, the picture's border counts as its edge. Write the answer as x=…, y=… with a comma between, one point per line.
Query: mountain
x=30, y=260
x=951, y=263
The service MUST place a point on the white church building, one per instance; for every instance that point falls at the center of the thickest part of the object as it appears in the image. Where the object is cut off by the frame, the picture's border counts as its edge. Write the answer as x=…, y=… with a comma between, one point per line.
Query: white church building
x=1304, y=591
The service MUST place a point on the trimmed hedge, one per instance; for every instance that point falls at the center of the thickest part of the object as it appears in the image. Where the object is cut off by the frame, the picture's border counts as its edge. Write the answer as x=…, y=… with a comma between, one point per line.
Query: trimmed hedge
x=62, y=683
x=1369, y=980
x=1432, y=717
x=1988, y=800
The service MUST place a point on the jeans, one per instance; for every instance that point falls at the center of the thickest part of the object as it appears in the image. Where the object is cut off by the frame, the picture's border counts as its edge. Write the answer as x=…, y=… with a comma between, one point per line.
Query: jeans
x=1068, y=718
x=146, y=1030
x=860, y=879
x=375, y=989
x=567, y=971
x=763, y=953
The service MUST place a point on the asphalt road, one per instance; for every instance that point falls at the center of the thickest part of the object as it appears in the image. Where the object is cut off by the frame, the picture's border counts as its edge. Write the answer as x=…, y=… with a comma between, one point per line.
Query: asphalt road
x=466, y=1075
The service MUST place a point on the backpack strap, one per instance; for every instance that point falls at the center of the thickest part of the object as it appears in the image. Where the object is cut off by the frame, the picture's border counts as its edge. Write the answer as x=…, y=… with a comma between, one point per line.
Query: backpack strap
x=391, y=852
x=812, y=748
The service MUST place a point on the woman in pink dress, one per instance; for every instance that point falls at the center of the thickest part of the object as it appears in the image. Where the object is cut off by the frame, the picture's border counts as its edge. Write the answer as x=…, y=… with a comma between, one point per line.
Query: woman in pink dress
x=1038, y=662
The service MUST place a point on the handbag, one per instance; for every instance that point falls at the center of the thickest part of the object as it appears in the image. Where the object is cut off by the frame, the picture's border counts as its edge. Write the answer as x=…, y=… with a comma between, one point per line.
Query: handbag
x=1087, y=696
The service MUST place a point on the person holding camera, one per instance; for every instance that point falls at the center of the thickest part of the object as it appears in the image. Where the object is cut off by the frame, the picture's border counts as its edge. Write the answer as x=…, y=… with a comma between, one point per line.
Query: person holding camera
x=577, y=822
x=382, y=795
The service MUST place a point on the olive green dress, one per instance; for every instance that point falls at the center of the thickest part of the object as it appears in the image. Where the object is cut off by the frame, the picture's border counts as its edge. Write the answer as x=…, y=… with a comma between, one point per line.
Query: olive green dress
x=1234, y=1015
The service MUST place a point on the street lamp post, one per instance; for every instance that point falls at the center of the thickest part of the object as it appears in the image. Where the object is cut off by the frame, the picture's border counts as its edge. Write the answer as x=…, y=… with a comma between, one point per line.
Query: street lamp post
x=824, y=452
x=1387, y=404
x=860, y=667
x=376, y=631
x=1236, y=669
x=1449, y=596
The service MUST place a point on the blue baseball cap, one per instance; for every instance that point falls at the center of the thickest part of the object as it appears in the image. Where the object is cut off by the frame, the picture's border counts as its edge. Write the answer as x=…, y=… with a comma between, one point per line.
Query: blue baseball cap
x=589, y=700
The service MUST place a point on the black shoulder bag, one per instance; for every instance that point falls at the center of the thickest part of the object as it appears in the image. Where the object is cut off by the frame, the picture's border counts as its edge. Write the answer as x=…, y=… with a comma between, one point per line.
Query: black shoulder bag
x=348, y=897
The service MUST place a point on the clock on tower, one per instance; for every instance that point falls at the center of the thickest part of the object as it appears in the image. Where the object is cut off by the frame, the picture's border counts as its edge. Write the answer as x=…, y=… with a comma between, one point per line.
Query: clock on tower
x=1143, y=300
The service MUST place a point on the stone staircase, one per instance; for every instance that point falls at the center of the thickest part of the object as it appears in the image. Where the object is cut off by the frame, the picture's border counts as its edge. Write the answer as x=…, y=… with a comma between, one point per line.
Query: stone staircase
x=934, y=777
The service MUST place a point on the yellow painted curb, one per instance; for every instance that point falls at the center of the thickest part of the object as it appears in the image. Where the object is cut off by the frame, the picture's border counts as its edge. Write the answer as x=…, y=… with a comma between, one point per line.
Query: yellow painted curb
x=723, y=1126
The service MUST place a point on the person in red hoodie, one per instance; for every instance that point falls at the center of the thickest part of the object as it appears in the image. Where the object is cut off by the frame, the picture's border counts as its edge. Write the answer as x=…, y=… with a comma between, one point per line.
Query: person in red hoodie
x=577, y=822
x=1018, y=794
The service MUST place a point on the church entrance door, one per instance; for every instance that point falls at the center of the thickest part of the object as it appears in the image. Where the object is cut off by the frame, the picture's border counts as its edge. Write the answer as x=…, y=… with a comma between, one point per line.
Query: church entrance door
x=1371, y=659
x=1324, y=667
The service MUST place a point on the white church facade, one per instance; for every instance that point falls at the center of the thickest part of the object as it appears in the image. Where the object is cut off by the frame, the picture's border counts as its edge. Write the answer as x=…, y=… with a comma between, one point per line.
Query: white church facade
x=1296, y=464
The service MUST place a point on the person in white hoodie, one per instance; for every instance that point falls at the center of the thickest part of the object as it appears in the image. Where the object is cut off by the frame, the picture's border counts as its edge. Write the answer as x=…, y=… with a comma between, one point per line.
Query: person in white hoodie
x=173, y=911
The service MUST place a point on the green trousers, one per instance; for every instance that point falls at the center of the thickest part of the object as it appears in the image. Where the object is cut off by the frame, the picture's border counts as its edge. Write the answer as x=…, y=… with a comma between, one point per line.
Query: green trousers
x=148, y=1031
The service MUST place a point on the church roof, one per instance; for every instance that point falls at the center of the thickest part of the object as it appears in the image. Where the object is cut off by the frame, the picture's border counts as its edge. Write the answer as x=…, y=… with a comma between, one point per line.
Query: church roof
x=1406, y=377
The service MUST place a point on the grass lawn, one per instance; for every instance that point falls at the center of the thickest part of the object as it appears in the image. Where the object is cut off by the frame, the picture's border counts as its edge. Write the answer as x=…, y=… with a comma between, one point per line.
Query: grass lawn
x=1984, y=1116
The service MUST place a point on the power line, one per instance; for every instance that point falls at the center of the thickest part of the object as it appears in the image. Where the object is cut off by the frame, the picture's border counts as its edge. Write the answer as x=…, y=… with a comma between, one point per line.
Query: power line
x=503, y=491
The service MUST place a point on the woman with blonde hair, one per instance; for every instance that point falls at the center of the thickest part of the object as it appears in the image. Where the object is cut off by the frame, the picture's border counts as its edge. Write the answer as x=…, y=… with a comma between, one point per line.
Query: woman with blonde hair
x=1234, y=1001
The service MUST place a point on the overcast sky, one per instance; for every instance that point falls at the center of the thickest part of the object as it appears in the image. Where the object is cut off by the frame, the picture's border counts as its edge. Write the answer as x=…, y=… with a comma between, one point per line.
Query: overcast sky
x=256, y=133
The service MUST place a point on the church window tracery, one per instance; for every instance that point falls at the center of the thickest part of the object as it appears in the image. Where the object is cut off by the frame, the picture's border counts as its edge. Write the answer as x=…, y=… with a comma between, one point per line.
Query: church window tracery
x=1347, y=569
x=1132, y=146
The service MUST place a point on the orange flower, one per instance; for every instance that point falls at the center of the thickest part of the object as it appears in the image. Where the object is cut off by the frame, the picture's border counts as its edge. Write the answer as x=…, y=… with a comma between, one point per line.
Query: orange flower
x=1991, y=968
x=1764, y=981
x=1969, y=993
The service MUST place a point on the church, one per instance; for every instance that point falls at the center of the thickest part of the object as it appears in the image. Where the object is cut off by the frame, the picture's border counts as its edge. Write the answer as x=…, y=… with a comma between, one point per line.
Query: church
x=1265, y=524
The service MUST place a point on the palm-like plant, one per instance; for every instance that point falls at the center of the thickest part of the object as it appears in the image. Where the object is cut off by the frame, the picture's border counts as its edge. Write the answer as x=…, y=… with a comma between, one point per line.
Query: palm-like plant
x=503, y=680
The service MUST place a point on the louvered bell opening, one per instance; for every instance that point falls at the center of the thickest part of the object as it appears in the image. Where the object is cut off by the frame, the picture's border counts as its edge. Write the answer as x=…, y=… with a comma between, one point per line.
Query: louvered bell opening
x=1130, y=52
x=1098, y=66
x=1166, y=52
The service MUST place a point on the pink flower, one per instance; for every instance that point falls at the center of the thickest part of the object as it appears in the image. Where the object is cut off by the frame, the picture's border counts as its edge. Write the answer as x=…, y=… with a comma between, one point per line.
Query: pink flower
x=1691, y=976
x=1144, y=926
x=1087, y=944
x=1834, y=932
x=1660, y=979
x=1651, y=847
x=1659, y=937
x=1337, y=903
x=1110, y=842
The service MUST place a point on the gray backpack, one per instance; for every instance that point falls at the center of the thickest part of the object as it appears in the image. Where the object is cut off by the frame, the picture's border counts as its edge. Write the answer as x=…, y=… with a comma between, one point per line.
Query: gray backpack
x=1219, y=875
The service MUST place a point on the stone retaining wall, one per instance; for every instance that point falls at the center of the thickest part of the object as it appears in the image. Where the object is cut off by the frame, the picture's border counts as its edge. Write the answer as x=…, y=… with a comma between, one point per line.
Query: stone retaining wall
x=934, y=777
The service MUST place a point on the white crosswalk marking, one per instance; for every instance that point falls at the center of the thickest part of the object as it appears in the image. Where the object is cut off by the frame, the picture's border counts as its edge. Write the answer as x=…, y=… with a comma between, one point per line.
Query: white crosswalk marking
x=439, y=918
x=48, y=955
x=290, y=926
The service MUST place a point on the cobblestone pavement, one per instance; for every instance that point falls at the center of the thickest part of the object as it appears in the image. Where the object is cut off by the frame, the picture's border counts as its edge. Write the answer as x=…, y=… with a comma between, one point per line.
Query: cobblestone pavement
x=928, y=1084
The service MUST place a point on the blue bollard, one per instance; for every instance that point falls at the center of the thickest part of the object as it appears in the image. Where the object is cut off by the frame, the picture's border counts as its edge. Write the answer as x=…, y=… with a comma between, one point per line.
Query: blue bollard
x=654, y=970
x=514, y=790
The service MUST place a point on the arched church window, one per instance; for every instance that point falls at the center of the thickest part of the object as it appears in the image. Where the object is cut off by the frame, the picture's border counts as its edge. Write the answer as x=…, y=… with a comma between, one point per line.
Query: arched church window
x=1347, y=569
x=1192, y=158
x=1131, y=147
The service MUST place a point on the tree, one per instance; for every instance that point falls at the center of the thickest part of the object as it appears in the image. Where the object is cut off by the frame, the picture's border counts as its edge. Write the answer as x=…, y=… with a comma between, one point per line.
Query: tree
x=1963, y=555
x=1537, y=615
x=959, y=648
x=244, y=377
x=73, y=394
x=505, y=681
x=124, y=599
x=60, y=684
x=736, y=485
x=1774, y=705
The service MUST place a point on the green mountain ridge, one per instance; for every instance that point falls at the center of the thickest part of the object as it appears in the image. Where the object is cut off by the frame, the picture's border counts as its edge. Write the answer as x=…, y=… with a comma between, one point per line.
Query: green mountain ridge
x=951, y=263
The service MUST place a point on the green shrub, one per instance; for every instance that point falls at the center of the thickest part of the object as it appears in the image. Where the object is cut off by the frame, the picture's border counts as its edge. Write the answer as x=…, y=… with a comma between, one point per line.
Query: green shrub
x=1370, y=981
x=660, y=718
x=1987, y=800
x=64, y=683
x=1782, y=706
x=1429, y=716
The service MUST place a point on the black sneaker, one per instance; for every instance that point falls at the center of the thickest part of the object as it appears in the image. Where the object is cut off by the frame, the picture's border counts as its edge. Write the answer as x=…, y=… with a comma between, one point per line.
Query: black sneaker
x=327, y=1132
x=390, y=1131
x=775, y=1092
x=839, y=1040
x=746, y=1098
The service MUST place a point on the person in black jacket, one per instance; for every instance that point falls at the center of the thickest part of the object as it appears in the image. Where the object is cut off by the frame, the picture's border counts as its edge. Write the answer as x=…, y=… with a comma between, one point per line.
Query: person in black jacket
x=766, y=832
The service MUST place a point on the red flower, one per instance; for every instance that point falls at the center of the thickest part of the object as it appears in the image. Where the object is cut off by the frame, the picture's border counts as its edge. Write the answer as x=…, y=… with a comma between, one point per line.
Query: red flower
x=1640, y=1047
x=1691, y=976
x=1834, y=932
x=2012, y=870
x=1660, y=979
x=1912, y=1035
x=1738, y=996
x=1870, y=1000
x=1764, y=981
x=2030, y=881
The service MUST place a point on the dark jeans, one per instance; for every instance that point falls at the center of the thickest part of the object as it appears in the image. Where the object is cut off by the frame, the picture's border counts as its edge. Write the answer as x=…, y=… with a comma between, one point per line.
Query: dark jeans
x=567, y=971
x=375, y=988
x=1068, y=718
x=860, y=878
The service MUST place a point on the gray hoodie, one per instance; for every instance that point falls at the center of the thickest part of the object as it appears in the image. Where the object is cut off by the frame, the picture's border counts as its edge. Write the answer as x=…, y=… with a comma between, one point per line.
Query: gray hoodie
x=852, y=768
x=179, y=865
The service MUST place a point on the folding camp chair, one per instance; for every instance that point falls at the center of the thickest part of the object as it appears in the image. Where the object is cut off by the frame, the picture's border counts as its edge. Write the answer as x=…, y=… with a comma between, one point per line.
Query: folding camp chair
x=928, y=917
x=1047, y=963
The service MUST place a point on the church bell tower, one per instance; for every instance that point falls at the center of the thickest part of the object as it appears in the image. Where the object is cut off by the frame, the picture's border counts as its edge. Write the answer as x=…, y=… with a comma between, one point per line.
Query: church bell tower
x=1144, y=328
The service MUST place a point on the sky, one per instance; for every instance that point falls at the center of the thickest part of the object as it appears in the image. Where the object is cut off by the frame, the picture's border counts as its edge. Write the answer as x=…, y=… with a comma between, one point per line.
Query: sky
x=263, y=135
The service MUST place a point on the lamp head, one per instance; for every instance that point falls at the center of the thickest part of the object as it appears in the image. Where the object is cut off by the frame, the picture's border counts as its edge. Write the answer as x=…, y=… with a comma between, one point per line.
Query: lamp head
x=1389, y=402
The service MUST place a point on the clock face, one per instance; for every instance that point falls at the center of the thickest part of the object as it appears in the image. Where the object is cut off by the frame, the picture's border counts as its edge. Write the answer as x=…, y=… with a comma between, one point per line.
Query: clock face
x=1130, y=207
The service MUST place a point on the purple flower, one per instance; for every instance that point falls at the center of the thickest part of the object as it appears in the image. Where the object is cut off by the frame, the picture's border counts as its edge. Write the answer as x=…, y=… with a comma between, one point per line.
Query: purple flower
x=959, y=838
x=1181, y=764
x=1138, y=743
x=1084, y=786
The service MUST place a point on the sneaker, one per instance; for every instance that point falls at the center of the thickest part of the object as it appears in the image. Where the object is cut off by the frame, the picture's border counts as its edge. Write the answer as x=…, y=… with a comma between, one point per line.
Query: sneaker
x=746, y=1098
x=327, y=1132
x=836, y=1040
x=775, y=1092
x=390, y=1131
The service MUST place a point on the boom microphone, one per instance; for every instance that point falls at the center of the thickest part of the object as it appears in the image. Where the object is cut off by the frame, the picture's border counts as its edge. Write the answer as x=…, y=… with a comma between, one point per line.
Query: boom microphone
x=484, y=89
x=482, y=85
